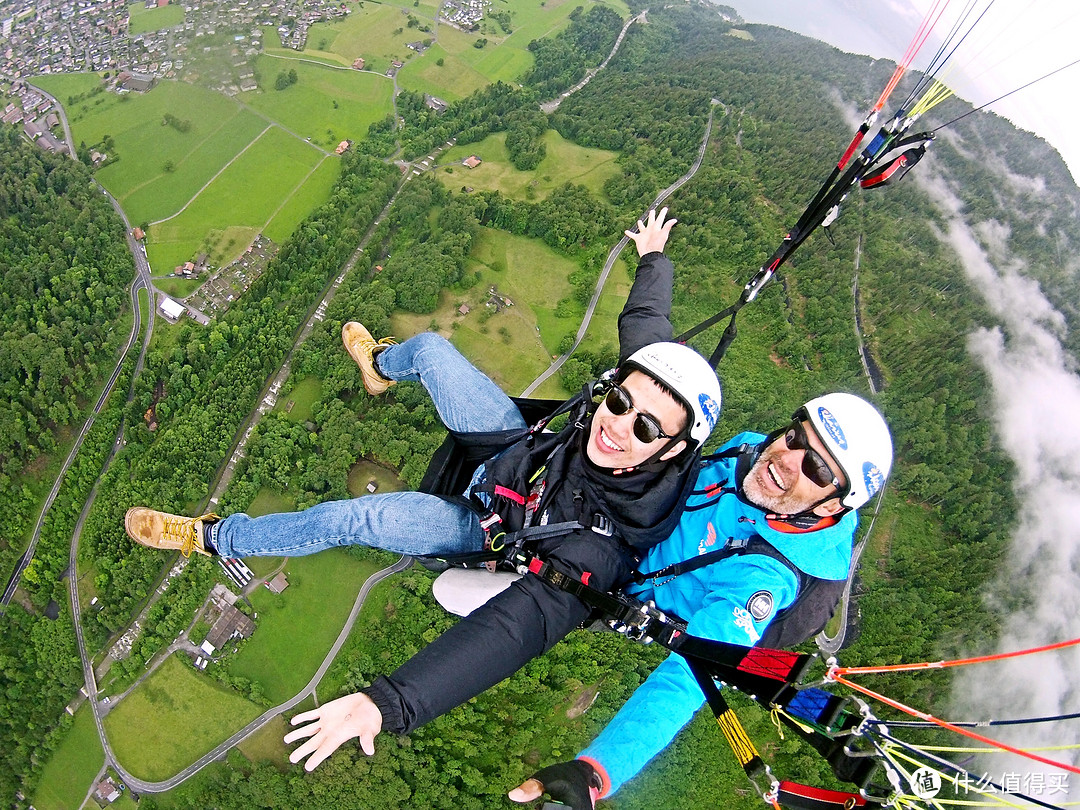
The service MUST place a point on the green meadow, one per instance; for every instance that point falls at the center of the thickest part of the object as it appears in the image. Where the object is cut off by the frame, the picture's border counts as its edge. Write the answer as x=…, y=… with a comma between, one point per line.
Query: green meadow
x=526, y=334
x=376, y=32
x=160, y=168
x=172, y=718
x=314, y=192
x=143, y=19
x=246, y=194
x=73, y=766
x=296, y=628
x=565, y=162
x=327, y=104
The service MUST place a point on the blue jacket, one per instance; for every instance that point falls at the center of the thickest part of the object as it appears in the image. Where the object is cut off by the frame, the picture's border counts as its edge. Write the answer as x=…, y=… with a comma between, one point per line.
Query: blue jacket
x=717, y=601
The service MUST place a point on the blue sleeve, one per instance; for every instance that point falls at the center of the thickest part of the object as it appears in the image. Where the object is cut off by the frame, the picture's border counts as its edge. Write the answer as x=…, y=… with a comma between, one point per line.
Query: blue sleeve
x=670, y=696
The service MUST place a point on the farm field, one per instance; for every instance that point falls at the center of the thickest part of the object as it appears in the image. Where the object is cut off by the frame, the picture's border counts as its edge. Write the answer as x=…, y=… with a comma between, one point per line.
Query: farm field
x=143, y=19
x=327, y=104
x=160, y=167
x=72, y=767
x=246, y=195
x=173, y=718
x=565, y=162
x=296, y=628
x=376, y=32
x=526, y=333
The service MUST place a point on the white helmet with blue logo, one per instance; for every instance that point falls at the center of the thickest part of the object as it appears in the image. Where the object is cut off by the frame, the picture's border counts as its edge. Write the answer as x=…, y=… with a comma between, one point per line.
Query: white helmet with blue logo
x=689, y=376
x=857, y=437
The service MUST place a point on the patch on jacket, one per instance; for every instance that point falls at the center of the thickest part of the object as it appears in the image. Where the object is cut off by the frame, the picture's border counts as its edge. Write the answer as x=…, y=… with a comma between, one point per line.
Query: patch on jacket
x=745, y=622
x=760, y=605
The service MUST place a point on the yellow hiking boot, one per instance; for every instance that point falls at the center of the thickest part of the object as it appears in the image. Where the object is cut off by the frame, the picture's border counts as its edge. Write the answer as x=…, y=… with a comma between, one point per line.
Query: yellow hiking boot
x=154, y=529
x=362, y=347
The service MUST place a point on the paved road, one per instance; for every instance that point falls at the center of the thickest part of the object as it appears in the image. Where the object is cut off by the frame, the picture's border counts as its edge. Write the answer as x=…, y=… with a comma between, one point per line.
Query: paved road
x=614, y=254
x=549, y=107
x=140, y=282
x=142, y=786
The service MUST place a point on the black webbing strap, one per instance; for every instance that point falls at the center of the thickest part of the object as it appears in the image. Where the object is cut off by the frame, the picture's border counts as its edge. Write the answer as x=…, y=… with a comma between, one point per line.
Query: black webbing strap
x=648, y=621
x=733, y=730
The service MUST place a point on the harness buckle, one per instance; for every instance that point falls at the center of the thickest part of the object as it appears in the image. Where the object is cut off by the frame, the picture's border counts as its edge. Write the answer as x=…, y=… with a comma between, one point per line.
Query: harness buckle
x=602, y=525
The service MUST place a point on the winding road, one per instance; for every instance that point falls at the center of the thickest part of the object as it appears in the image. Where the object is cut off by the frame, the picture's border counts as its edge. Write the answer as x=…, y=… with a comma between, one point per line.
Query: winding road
x=266, y=402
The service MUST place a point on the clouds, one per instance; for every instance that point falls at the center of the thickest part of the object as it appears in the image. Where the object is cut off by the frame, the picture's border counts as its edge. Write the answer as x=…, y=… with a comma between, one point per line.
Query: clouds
x=1036, y=395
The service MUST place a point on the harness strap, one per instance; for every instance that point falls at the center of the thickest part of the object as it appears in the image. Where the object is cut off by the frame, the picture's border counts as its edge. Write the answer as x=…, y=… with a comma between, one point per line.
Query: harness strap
x=733, y=730
x=803, y=797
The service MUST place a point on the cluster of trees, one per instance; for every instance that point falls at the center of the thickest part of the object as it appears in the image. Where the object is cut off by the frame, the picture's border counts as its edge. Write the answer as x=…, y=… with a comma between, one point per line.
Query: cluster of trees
x=524, y=131
x=61, y=315
x=286, y=79
x=561, y=62
x=181, y=125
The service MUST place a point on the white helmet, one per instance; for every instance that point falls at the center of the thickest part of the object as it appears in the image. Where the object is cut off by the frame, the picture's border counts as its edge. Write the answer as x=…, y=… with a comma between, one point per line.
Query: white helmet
x=857, y=437
x=689, y=377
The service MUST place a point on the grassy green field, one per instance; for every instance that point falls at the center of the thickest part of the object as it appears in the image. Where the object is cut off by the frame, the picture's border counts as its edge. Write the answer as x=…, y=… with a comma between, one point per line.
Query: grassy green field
x=237, y=172
x=266, y=744
x=303, y=396
x=364, y=471
x=327, y=104
x=565, y=162
x=143, y=19
x=65, y=86
x=73, y=766
x=246, y=194
x=160, y=168
x=526, y=334
x=297, y=627
x=456, y=78
x=177, y=287
x=173, y=718
x=268, y=501
x=314, y=192
x=371, y=32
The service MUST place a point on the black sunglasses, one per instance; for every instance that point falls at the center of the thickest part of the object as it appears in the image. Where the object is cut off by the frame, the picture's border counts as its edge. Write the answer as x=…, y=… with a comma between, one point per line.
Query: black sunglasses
x=646, y=428
x=814, y=466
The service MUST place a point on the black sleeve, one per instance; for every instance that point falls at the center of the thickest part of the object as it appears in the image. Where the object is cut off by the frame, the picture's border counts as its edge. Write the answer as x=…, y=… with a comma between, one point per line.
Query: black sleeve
x=646, y=318
x=496, y=640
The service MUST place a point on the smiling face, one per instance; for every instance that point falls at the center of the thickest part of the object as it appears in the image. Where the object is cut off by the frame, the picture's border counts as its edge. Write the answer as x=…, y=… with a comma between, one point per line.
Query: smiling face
x=612, y=443
x=778, y=484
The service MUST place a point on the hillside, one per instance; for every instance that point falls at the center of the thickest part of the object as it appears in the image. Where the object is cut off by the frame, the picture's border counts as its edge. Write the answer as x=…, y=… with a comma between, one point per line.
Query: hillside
x=786, y=110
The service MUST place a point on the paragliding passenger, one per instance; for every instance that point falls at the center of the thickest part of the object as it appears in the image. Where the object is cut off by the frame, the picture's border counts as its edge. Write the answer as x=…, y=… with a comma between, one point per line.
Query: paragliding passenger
x=797, y=490
x=621, y=468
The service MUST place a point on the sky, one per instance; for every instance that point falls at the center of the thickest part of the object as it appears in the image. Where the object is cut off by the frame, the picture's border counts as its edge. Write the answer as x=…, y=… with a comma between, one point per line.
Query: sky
x=1015, y=42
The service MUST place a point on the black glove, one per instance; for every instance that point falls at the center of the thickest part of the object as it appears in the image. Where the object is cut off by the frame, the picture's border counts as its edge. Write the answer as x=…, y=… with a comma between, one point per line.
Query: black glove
x=570, y=783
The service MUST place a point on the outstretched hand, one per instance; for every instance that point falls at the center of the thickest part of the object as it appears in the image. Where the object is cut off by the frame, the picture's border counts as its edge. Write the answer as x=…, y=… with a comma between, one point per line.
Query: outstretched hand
x=653, y=235
x=332, y=724
x=574, y=784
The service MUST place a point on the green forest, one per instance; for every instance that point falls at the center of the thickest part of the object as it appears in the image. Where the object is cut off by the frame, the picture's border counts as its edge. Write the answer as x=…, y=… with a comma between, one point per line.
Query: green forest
x=948, y=512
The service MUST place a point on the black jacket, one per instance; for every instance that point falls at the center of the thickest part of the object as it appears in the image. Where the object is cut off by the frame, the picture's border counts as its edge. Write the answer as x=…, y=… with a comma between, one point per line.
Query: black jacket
x=528, y=618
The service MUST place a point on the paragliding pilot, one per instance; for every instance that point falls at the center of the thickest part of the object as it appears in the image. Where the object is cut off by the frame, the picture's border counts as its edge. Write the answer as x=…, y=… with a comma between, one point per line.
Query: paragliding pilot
x=760, y=556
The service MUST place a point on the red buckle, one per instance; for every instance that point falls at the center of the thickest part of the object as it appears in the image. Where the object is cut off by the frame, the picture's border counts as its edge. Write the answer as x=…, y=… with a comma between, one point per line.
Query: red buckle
x=535, y=564
x=585, y=577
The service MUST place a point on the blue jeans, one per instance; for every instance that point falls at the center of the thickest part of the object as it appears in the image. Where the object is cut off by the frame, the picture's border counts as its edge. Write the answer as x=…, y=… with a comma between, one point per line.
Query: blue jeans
x=404, y=522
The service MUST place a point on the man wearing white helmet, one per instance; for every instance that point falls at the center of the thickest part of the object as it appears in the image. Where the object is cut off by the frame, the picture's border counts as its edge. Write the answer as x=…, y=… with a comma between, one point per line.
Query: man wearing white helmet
x=795, y=492
x=616, y=478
